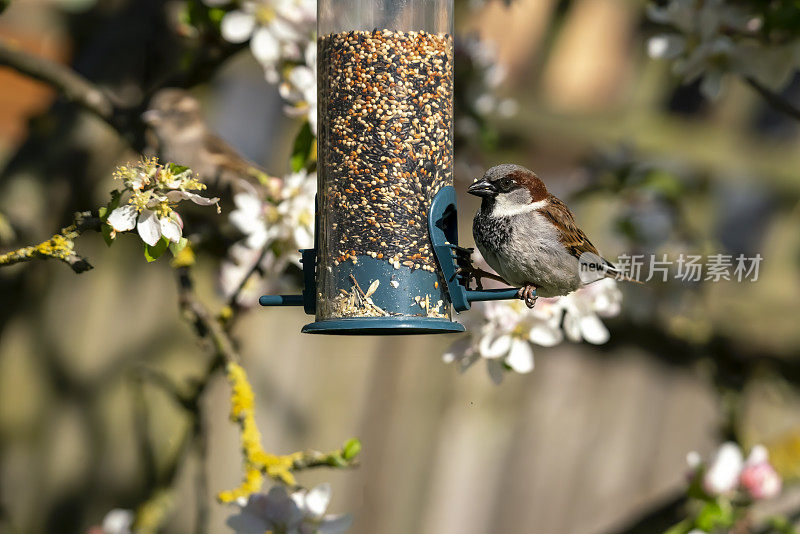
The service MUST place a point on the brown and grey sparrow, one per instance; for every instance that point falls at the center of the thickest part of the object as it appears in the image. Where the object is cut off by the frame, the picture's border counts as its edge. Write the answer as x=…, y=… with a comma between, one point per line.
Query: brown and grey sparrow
x=531, y=238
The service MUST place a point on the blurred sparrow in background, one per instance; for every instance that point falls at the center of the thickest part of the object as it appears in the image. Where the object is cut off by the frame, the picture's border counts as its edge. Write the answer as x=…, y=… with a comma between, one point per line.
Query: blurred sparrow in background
x=530, y=237
x=183, y=137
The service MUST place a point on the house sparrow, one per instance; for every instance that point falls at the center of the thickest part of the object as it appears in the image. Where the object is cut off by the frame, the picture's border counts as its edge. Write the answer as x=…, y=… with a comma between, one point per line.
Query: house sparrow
x=530, y=237
x=182, y=135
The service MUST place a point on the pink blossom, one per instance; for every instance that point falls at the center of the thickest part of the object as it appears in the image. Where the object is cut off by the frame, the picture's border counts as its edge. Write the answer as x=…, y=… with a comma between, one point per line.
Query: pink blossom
x=759, y=479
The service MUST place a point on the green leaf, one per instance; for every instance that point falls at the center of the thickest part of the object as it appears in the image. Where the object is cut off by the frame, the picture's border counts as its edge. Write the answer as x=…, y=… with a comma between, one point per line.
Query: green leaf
x=178, y=169
x=215, y=15
x=301, y=151
x=175, y=248
x=154, y=252
x=106, y=231
x=351, y=449
x=713, y=515
x=684, y=527
x=113, y=204
x=335, y=460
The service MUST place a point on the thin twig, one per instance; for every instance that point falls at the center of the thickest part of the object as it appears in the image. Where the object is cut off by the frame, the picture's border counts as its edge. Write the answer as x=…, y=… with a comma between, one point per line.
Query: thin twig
x=142, y=427
x=233, y=304
x=72, y=85
x=201, y=478
x=774, y=99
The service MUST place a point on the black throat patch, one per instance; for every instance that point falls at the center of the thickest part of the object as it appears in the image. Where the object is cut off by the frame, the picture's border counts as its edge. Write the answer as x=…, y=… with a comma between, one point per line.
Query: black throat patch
x=492, y=232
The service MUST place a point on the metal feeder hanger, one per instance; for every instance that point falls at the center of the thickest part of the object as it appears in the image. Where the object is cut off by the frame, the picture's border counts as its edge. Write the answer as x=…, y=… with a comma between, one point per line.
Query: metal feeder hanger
x=386, y=259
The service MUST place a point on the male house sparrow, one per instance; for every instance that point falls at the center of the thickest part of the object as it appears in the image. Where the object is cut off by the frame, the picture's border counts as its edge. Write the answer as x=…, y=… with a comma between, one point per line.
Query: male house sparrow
x=184, y=138
x=530, y=237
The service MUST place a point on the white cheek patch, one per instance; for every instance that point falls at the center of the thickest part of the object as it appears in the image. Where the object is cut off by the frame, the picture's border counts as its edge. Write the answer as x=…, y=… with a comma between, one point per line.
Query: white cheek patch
x=515, y=203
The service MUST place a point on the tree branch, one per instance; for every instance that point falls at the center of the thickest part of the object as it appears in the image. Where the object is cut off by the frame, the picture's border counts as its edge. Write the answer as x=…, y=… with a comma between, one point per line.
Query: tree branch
x=61, y=246
x=72, y=85
x=774, y=99
x=207, y=327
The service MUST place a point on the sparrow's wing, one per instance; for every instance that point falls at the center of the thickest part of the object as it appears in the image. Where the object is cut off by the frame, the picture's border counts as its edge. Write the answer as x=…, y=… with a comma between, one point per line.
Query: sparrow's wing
x=572, y=237
x=225, y=157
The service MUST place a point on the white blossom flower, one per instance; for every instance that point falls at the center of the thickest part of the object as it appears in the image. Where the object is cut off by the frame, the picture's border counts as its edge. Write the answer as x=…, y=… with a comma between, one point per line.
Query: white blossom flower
x=117, y=521
x=302, y=512
x=249, y=217
x=489, y=75
x=714, y=40
x=155, y=190
x=282, y=225
x=722, y=474
x=728, y=472
x=504, y=335
x=300, y=88
x=583, y=309
x=296, y=209
x=277, y=30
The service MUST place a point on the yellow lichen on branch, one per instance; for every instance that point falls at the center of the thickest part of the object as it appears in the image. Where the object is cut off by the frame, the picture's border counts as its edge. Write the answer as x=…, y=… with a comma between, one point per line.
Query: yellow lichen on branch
x=257, y=462
x=61, y=246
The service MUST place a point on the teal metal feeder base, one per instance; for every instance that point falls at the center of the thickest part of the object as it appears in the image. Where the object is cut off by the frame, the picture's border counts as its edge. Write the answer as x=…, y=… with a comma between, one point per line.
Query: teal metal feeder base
x=383, y=326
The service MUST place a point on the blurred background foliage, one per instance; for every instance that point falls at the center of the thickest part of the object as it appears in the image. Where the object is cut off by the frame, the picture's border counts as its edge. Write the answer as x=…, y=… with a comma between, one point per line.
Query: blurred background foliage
x=593, y=441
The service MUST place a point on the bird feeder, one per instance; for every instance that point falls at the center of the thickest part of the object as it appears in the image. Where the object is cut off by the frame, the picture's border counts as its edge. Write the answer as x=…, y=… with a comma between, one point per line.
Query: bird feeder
x=386, y=257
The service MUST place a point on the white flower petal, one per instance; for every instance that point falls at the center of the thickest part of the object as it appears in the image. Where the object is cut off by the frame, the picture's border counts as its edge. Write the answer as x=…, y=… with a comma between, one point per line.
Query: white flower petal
x=123, y=218
x=237, y=26
x=520, y=357
x=693, y=459
x=546, y=334
x=246, y=222
x=758, y=454
x=666, y=46
x=170, y=229
x=317, y=500
x=148, y=227
x=572, y=327
x=593, y=330
x=494, y=345
x=177, y=196
x=724, y=469
x=118, y=521
x=265, y=46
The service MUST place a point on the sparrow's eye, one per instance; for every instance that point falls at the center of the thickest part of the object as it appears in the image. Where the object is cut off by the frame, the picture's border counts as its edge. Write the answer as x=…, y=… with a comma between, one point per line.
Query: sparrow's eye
x=506, y=184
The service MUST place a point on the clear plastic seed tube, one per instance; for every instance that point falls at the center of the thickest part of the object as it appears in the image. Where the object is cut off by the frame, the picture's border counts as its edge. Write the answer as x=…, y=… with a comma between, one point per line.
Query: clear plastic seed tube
x=385, y=147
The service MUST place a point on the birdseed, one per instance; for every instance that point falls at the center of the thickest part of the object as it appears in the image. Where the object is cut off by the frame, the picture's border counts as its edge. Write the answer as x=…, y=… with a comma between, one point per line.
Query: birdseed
x=385, y=143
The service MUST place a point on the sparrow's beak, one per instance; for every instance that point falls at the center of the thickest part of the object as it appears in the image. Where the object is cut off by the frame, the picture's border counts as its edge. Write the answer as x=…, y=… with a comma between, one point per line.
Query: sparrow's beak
x=482, y=188
x=151, y=116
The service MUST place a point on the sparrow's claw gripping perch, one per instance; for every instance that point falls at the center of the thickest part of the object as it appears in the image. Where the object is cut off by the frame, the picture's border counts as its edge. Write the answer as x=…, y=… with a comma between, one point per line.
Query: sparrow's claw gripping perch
x=470, y=272
x=527, y=294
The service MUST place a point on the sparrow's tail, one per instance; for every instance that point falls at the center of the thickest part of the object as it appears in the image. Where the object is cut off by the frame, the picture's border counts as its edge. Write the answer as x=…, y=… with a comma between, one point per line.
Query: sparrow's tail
x=613, y=272
x=624, y=278
x=594, y=267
